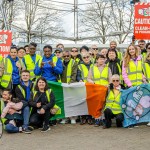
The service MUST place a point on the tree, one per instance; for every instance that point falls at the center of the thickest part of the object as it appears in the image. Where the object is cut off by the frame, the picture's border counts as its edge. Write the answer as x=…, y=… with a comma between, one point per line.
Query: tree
x=106, y=19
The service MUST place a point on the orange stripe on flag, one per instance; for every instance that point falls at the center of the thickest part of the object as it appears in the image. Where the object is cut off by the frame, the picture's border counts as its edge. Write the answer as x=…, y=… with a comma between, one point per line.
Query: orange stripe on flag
x=96, y=95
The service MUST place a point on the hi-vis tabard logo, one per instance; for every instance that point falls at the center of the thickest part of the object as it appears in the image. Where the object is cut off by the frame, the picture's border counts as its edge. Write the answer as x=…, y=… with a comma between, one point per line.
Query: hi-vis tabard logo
x=145, y=12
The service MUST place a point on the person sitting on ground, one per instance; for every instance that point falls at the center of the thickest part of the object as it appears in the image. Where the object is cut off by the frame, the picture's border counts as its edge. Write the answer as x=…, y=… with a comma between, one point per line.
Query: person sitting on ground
x=42, y=101
x=112, y=107
x=11, y=108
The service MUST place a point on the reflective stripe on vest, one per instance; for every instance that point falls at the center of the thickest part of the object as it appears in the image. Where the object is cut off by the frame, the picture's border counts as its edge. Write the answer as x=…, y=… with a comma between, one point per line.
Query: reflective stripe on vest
x=135, y=72
x=113, y=102
x=100, y=77
x=30, y=65
x=22, y=91
x=146, y=70
x=84, y=71
x=69, y=69
x=8, y=69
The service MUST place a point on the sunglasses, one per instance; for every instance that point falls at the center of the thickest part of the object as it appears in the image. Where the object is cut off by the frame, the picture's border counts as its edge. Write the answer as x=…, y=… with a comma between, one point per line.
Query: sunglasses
x=91, y=54
x=74, y=51
x=86, y=57
x=148, y=48
x=115, y=80
x=57, y=52
x=66, y=56
x=95, y=48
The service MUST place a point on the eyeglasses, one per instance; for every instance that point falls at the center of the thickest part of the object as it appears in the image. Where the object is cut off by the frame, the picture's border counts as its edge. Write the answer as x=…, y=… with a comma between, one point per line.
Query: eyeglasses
x=115, y=80
x=74, y=51
x=95, y=48
x=57, y=52
x=66, y=56
x=86, y=57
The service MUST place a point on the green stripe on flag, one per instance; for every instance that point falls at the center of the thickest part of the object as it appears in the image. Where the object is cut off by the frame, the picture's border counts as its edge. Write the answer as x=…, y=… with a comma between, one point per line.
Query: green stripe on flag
x=59, y=97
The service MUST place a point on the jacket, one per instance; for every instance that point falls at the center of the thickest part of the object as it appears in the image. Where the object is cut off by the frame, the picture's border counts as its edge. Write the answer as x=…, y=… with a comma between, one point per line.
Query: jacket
x=44, y=101
x=15, y=73
x=47, y=71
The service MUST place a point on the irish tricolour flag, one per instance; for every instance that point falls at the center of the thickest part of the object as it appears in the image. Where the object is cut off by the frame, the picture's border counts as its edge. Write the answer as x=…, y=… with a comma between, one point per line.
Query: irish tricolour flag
x=80, y=98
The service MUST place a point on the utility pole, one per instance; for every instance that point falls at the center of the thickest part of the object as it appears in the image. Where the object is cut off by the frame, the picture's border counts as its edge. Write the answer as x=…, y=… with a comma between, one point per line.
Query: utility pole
x=75, y=20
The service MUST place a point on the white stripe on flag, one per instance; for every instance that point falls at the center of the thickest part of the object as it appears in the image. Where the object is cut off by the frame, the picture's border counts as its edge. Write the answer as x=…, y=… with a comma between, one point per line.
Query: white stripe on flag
x=75, y=99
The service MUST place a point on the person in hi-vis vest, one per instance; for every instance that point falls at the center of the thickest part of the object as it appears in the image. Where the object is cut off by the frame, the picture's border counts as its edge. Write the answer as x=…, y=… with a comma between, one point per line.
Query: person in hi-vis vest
x=112, y=106
x=31, y=59
x=132, y=67
x=49, y=66
x=100, y=73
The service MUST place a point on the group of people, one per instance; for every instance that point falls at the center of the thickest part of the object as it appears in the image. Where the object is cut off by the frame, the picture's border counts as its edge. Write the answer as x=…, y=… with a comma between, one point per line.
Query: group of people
x=27, y=102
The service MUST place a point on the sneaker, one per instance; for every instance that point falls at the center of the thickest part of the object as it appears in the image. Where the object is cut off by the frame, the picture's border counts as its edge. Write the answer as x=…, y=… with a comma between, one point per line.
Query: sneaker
x=148, y=124
x=82, y=121
x=27, y=131
x=45, y=129
x=63, y=121
x=73, y=121
x=30, y=128
x=135, y=125
x=20, y=129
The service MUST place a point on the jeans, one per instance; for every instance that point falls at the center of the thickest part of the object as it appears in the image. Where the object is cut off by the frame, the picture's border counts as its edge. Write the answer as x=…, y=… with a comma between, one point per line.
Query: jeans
x=26, y=115
x=109, y=115
x=10, y=128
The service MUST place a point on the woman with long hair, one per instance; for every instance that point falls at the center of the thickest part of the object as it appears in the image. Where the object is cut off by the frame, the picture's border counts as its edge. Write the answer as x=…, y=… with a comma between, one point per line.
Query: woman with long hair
x=132, y=67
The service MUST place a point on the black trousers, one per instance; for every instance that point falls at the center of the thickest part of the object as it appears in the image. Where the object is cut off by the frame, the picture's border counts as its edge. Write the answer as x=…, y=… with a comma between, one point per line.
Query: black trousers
x=109, y=115
x=38, y=120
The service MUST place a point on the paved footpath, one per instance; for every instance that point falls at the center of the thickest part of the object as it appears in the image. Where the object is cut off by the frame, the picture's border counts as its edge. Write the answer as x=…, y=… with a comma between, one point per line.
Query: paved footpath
x=77, y=137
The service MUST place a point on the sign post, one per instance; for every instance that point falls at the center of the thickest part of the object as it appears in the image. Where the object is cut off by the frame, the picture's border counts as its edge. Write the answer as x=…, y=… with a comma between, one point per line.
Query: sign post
x=5, y=42
x=142, y=21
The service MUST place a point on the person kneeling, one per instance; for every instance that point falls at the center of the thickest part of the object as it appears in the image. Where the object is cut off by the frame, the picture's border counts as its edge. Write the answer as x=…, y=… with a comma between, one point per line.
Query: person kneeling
x=112, y=107
x=42, y=101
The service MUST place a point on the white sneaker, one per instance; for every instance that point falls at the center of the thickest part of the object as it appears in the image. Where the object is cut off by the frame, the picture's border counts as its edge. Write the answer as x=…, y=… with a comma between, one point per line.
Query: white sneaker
x=63, y=121
x=73, y=121
x=148, y=124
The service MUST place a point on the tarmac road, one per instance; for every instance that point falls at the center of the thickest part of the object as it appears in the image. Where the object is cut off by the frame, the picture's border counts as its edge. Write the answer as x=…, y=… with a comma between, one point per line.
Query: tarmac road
x=77, y=137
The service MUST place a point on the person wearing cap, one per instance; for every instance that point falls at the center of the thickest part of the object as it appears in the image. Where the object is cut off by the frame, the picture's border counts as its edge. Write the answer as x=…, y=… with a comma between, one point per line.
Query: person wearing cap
x=84, y=49
x=31, y=59
x=58, y=53
x=50, y=67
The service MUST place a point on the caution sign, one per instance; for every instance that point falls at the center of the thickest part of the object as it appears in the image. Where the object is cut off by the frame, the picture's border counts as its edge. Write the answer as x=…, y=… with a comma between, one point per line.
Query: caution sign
x=142, y=21
x=5, y=42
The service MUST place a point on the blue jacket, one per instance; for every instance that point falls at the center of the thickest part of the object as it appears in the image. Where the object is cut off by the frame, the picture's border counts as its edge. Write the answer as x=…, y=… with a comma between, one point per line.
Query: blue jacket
x=47, y=71
x=15, y=73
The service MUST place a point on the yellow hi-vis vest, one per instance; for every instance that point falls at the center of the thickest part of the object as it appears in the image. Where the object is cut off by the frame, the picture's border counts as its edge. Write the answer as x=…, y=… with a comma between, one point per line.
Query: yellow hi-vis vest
x=48, y=92
x=30, y=65
x=1, y=58
x=69, y=69
x=100, y=77
x=84, y=71
x=134, y=72
x=7, y=76
x=1, y=62
x=77, y=60
x=119, y=55
x=146, y=70
x=144, y=56
x=113, y=102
